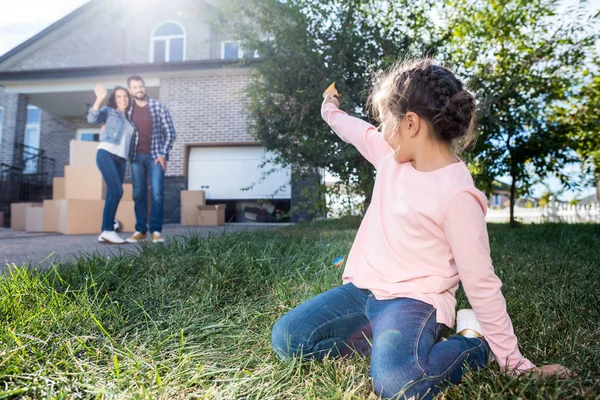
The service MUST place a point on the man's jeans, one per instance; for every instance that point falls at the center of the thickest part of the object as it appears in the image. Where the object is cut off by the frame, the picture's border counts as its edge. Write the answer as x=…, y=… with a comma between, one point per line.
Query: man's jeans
x=112, y=168
x=142, y=170
x=401, y=336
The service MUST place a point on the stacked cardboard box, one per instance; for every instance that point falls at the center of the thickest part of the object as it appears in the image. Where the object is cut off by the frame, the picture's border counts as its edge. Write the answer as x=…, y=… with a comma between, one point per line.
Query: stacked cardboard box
x=77, y=199
x=190, y=200
x=18, y=215
x=211, y=215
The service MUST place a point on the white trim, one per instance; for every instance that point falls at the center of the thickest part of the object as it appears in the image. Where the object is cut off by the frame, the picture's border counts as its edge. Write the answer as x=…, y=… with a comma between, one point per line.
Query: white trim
x=223, y=47
x=240, y=49
x=167, y=40
x=71, y=85
x=35, y=126
x=61, y=85
x=81, y=131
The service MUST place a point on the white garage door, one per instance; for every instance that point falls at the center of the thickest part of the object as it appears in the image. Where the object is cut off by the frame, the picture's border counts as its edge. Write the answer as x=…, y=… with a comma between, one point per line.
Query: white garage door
x=224, y=172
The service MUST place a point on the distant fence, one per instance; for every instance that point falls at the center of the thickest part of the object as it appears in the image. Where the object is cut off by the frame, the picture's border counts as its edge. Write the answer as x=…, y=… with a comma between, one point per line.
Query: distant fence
x=554, y=212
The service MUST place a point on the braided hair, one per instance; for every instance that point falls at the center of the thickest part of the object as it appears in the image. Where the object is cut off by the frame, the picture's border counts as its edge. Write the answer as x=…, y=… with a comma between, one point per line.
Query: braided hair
x=430, y=91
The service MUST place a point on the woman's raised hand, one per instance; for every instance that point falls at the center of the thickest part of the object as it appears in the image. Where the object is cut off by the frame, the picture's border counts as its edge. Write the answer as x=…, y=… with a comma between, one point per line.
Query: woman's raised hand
x=100, y=91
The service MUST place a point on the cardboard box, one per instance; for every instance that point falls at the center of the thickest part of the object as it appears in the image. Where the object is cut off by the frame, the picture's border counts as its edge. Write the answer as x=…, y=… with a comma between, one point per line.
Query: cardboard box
x=18, y=214
x=51, y=215
x=80, y=217
x=82, y=153
x=84, y=183
x=58, y=188
x=190, y=200
x=126, y=216
x=127, y=192
x=211, y=215
x=34, y=219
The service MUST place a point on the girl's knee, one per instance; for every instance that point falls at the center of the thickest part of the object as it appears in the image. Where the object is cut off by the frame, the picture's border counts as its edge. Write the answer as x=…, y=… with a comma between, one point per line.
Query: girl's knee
x=398, y=383
x=286, y=341
x=281, y=339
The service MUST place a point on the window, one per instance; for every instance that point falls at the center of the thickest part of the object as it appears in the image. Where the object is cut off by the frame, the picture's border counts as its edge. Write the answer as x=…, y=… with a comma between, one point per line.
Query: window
x=1, y=122
x=31, y=149
x=167, y=43
x=88, y=135
x=233, y=51
x=496, y=200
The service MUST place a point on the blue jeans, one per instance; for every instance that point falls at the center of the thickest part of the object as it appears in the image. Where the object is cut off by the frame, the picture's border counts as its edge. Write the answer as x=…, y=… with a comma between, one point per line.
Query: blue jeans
x=141, y=169
x=112, y=168
x=407, y=356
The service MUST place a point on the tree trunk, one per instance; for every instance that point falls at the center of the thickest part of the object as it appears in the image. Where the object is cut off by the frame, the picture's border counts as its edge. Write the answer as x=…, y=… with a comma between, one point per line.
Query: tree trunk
x=597, y=188
x=513, y=192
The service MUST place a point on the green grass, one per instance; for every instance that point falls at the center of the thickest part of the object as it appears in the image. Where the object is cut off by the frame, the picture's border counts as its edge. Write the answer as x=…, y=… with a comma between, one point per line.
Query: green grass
x=192, y=319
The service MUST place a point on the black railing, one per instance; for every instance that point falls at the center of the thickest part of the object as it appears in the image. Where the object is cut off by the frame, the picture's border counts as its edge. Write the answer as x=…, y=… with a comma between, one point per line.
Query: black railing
x=29, y=179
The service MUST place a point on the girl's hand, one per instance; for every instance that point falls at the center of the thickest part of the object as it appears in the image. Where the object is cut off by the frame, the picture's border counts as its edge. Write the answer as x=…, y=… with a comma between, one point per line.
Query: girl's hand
x=551, y=371
x=100, y=91
x=330, y=99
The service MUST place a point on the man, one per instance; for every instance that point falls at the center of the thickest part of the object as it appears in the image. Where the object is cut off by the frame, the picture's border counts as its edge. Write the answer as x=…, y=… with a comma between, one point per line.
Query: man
x=150, y=152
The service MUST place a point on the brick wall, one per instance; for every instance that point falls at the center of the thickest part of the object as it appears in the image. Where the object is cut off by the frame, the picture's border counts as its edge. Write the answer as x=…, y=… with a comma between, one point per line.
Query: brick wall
x=207, y=109
x=111, y=35
x=13, y=124
x=92, y=40
x=55, y=135
x=191, y=16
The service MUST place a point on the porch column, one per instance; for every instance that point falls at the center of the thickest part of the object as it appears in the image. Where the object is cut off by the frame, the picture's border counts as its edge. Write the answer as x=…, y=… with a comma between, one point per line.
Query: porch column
x=13, y=130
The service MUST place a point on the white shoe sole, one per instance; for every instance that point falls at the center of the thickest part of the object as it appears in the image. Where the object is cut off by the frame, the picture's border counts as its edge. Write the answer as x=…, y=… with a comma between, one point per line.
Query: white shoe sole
x=104, y=241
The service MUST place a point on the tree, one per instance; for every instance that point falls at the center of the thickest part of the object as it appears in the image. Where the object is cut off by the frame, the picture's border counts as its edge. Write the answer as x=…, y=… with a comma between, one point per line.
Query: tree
x=583, y=122
x=304, y=45
x=524, y=61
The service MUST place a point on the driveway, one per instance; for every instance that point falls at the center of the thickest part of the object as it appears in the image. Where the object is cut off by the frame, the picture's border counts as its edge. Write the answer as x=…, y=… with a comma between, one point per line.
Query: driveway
x=43, y=248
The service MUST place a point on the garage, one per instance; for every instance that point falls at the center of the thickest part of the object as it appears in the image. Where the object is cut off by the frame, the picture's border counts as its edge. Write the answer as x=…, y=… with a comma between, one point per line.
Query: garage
x=235, y=175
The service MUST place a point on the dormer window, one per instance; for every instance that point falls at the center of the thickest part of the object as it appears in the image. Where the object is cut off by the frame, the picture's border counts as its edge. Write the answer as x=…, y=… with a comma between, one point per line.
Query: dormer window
x=167, y=43
x=231, y=50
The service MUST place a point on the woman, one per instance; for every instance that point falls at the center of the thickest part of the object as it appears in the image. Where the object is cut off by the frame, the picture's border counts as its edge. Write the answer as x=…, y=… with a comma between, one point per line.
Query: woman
x=113, y=152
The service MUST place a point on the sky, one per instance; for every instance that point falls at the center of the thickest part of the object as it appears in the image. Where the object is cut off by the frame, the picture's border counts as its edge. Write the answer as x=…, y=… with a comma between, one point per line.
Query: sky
x=22, y=19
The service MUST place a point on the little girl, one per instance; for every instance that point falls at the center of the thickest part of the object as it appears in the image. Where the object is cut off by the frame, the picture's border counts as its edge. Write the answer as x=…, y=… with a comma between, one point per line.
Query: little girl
x=423, y=232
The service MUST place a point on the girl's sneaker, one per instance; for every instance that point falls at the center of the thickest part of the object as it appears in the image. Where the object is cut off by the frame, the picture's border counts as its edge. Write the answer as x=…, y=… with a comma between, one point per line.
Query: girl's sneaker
x=110, y=237
x=467, y=325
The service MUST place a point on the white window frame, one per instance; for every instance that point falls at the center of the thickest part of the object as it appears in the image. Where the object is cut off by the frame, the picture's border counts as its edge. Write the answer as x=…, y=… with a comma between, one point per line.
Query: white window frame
x=38, y=126
x=240, y=50
x=496, y=200
x=167, y=40
x=81, y=131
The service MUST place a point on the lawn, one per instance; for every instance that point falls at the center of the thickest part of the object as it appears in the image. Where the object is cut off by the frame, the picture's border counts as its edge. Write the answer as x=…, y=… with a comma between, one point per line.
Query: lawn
x=192, y=319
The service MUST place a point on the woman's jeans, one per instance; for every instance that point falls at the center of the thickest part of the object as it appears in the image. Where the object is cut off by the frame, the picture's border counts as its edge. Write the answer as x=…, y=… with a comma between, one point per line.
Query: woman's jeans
x=112, y=168
x=143, y=169
x=401, y=336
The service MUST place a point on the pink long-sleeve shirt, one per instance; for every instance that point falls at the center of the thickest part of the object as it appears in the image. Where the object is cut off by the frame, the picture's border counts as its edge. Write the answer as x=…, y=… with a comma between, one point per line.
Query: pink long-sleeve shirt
x=423, y=233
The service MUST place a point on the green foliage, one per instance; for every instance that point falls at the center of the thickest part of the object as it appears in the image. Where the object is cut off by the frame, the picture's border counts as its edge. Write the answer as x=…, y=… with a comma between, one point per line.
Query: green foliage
x=524, y=62
x=304, y=46
x=192, y=319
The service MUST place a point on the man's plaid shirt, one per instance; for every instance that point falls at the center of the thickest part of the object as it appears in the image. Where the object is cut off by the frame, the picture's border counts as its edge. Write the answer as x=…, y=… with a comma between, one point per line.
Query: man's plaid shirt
x=163, y=132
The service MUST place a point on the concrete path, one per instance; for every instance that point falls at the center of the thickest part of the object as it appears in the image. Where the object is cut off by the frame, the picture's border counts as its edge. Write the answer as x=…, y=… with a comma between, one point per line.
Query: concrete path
x=43, y=248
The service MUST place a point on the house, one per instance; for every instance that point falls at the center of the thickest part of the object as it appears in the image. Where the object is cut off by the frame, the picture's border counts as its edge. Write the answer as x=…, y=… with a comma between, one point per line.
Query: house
x=46, y=87
x=500, y=196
